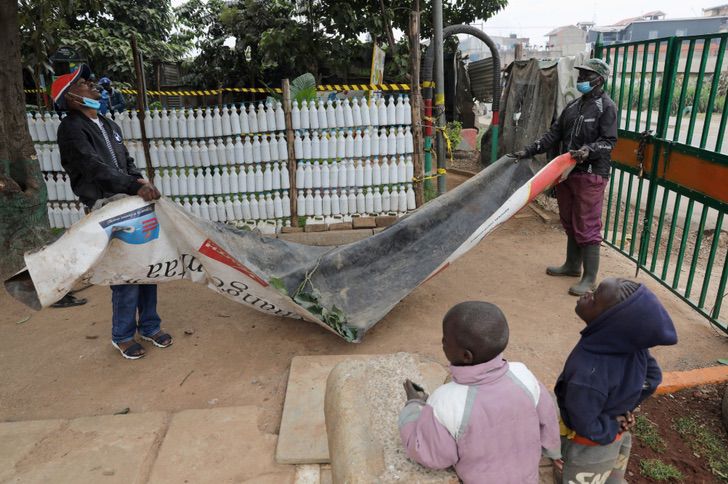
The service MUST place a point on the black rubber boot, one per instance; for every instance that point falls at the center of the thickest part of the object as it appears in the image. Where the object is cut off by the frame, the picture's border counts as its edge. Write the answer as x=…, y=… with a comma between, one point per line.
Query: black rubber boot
x=572, y=266
x=590, y=256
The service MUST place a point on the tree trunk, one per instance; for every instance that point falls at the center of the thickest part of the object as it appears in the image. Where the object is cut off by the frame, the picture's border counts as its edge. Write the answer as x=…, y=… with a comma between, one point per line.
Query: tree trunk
x=23, y=214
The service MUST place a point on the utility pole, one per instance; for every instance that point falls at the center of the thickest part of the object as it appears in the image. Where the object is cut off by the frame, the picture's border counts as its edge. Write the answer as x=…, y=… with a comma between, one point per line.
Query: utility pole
x=439, y=93
x=416, y=97
x=141, y=98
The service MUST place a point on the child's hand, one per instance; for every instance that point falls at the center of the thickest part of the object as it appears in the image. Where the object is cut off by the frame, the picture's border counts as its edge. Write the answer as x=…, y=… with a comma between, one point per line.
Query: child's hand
x=627, y=421
x=414, y=391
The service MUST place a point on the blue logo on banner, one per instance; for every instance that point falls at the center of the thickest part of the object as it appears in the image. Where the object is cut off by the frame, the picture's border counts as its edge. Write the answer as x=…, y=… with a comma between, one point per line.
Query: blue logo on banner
x=136, y=227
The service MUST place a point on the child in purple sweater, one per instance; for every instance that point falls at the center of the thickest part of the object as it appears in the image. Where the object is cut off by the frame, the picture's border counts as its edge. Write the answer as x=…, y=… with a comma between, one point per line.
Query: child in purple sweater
x=494, y=420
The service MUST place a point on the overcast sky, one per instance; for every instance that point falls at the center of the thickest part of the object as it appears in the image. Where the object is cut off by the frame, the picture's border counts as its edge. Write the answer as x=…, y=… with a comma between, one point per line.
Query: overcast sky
x=529, y=18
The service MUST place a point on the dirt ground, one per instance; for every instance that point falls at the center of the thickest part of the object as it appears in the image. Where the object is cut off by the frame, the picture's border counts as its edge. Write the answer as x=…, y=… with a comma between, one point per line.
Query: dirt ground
x=60, y=363
x=665, y=442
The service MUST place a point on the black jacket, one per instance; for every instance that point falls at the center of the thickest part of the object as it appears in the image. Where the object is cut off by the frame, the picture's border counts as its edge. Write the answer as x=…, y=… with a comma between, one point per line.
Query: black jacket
x=590, y=120
x=86, y=159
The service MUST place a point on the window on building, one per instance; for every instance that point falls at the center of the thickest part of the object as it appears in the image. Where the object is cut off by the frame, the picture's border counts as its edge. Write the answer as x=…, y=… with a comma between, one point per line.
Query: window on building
x=653, y=34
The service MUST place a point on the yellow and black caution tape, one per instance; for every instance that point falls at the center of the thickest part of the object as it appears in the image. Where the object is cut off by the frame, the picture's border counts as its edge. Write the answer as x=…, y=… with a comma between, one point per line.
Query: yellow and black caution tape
x=440, y=172
x=264, y=90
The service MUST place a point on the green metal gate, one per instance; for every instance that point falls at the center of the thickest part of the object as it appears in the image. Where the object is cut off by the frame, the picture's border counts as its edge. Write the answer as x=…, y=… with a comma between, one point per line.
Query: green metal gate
x=668, y=192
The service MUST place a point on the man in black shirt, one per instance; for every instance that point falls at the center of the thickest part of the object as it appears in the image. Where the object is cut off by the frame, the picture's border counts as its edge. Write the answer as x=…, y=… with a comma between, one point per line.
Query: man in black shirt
x=587, y=128
x=99, y=166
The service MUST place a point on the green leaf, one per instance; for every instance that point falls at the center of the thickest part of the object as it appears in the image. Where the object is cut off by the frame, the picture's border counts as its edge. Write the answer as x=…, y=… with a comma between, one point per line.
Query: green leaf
x=278, y=285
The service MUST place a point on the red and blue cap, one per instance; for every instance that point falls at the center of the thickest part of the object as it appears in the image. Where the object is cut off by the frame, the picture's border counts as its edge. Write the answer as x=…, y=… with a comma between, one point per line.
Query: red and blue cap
x=61, y=85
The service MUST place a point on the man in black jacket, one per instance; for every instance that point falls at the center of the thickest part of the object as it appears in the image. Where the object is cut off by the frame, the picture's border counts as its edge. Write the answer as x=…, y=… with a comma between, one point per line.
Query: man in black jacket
x=587, y=128
x=99, y=166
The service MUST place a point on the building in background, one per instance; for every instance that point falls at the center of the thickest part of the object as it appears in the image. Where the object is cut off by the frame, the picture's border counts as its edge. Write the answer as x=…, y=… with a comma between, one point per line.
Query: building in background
x=654, y=25
x=567, y=40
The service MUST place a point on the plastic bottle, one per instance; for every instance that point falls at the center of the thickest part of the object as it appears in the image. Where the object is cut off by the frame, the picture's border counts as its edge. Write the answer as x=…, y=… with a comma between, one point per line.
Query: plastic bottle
x=277, y=205
x=182, y=183
x=366, y=144
x=282, y=147
x=191, y=183
x=182, y=125
x=335, y=209
x=234, y=181
x=154, y=154
x=296, y=116
x=382, y=112
x=315, y=146
x=343, y=174
x=367, y=173
x=306, y=145
x=321, y=111
x=392, y=142
x=244, y=120
x=326, y=204
x=384, y=172
x=356, y=113
x=165, y=187
x=352, y=205
x=313, y=120
x=374, y=142
x=201, y=128
x=280, y=116
x=298, y=146
x=316, y=175
x=229, y=210
x=333, y=175
x=164, y=124
x=234, y=120
x=209, y=183
x=305, y=119
x=349, y=144
x=267, y=178
x=259, y=184
x=275, y=174
x=300, y=175
x=333, y=146
x=285, y=177
x=204, y=152
x=400, y=141
x=212, y=208
x=200, y=182
x=399, y=111
x=377, y=200
x=386, y=200
x=383, y=144
x=350, y=174
x=339, y=114
x=401, y=170
x=273, y=148
x=369, y=201
x=286, y=203
x=192, y=132
x=409, y=146
x=262, y=118
x=247, y=211
x=237, y=208
x=265, y=150
x=376, y=172
x=364, y=109
x=248, y=151
x=359, y=174
x=301, y=202
x=227, y=129
x=324, y=146
x=330, y=114
x=358, y=148
x=209, y=123
x=253, y=119
x=348, y=114
x=325, y=175
x=257, y=156
x=174, y=183
x=309, y=203
x=317, y=203
x=136, y=126
x=307, y=175
x=216, y=122
x=242, y=181
x=251, y=179
x=225, y=181
x=407, y=108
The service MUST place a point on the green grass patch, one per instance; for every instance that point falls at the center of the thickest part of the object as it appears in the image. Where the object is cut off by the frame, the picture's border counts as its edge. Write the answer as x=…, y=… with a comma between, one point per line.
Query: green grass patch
x=648, y=434
x=659, y=471
x=706, y=443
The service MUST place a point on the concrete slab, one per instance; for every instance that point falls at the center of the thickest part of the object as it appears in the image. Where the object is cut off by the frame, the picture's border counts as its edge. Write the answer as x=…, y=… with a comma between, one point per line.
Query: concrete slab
x=362, y=405
x=302, y=436
x=17, y=439
x=218, y=445
x=108, y=449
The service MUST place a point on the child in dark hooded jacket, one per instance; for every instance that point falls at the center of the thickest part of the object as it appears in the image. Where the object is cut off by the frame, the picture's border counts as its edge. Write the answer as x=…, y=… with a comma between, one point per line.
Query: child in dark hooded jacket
x=607, y=375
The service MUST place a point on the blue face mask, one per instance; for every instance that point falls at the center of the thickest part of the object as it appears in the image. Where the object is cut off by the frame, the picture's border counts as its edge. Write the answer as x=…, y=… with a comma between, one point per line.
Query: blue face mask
x=584, y=87
x=88, y=102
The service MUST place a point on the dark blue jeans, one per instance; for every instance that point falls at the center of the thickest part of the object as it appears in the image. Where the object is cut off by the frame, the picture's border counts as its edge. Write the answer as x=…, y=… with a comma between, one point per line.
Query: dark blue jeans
x=126, y=301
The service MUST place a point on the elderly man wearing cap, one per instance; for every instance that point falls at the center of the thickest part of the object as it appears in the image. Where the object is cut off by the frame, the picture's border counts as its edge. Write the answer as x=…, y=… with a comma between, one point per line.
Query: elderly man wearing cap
x=99, y=166
x=587, y=128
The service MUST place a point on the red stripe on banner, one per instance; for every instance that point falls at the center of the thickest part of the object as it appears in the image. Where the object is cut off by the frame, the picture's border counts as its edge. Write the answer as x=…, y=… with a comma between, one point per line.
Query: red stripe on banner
x=214, y=251
x=496, y=118
x=550, y=175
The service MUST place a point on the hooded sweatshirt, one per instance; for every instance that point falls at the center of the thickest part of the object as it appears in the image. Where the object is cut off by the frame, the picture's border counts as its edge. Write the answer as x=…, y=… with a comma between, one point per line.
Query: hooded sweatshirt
x=611, y=371
x=491, y=422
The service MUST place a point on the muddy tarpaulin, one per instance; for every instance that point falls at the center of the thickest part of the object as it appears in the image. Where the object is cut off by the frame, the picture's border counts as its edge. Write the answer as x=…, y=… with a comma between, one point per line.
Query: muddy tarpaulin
x=347, y=289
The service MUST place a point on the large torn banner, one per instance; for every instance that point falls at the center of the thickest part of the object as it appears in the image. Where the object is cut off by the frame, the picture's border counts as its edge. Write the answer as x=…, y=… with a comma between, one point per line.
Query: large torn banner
x=346, y=289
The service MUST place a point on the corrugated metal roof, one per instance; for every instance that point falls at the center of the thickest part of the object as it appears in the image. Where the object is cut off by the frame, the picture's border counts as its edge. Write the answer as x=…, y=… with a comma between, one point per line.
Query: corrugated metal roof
x=481, y=79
